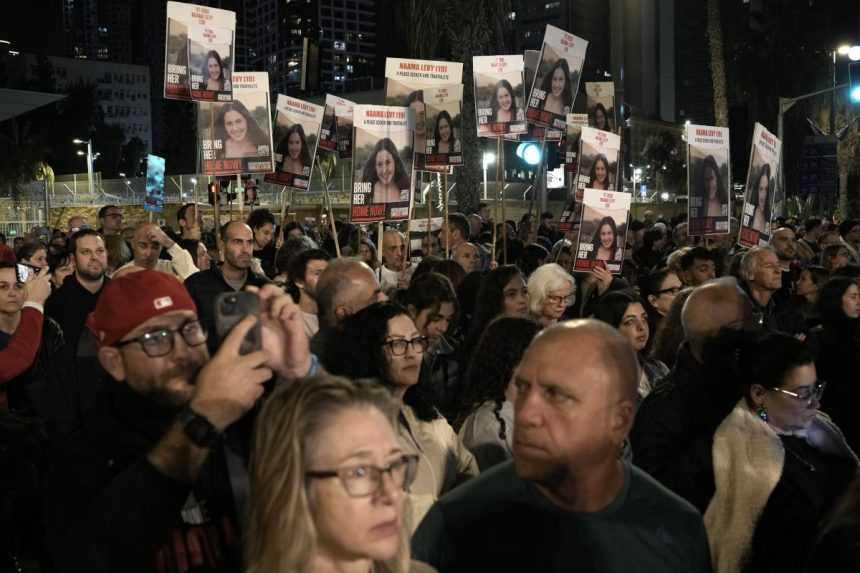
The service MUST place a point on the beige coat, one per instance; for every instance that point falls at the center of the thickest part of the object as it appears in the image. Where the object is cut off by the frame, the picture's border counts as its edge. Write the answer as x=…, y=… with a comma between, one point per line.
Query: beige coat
x=443, y=462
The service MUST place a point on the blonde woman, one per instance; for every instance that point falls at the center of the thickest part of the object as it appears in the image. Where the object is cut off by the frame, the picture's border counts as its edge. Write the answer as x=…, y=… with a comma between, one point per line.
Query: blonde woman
x=323, y=498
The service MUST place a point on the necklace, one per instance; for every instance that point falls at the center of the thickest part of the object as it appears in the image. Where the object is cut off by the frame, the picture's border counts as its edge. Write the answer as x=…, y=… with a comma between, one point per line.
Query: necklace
x=798, y=457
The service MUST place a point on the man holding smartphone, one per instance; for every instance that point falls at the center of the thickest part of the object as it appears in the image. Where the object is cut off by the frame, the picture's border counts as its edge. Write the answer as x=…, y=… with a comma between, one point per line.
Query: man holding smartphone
x=150, y=479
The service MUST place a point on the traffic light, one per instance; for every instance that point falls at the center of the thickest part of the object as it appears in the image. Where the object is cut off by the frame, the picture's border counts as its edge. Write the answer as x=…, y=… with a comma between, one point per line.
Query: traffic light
x=854, y=81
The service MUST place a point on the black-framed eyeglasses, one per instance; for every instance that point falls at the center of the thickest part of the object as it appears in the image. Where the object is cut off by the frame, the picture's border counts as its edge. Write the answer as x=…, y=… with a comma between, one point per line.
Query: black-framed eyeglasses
x=160, y=342
x=398, y=345
x=365, y=480
x=671, y=290
x=807, y=394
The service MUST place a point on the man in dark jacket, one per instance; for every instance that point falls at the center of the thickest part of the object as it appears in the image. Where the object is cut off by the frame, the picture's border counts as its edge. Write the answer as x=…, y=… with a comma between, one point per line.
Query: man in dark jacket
x=71, y=304
x=152, y=480
x=675, y=424
x=762, y=280
x=232, y=276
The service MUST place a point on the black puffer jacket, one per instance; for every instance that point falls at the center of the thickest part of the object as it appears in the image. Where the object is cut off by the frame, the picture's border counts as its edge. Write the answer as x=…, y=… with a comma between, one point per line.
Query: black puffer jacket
x=27, y=390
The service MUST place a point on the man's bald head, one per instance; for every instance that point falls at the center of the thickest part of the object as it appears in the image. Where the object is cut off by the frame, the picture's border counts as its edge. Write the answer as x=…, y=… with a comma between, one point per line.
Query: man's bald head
x=711, y=307
x=393, y=249
x=345, y=287
x=597, y=345
x=144, y=246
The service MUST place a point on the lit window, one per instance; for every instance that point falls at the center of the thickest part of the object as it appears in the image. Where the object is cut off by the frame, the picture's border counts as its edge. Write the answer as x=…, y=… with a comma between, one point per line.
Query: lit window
x=551, y=5
x=338, y=45
x=512, y=16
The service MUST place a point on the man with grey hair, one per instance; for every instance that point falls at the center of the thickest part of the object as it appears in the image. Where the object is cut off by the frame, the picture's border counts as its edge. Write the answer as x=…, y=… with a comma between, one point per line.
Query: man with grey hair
x=675, y=425
x=761, y=278
x=396, y=272
x=344, y=288
x=567, y=500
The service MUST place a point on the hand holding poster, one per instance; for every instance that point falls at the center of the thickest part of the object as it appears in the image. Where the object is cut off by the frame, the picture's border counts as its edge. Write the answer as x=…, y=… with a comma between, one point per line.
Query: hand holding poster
x=557, y=79
x=761, y=187
x=444, y=123
x=382, y=163
x=405, y=81
x=602, y=230
x=236, y=137
x=297, y=128
x=154, y=201
x=600, y=104
x=708, y=179
x=499, y=95
x=336, y=131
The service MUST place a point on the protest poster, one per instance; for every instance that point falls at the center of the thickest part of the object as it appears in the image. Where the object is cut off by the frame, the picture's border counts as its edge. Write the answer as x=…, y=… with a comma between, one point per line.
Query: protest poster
x=708, y=180
x=556, y=79
x=602, y=230
x=761, y=186
x=297, y=131
x=382, y=163
x=216, y=27
x=534, y=132
x=336, y=131
x=572, y=211
x=442, y=110
x=154, y=200
x=236, y=137
x=405, y=81
x=499, y=95
x=598, y=159
x=600, y=105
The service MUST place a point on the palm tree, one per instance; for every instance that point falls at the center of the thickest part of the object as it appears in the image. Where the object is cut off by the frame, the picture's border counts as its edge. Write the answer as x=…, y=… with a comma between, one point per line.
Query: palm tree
x=718, y=64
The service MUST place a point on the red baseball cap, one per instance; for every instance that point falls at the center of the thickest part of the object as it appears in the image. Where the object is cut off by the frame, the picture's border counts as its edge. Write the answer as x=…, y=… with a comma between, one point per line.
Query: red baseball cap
x=129, y=301
x=7, y=255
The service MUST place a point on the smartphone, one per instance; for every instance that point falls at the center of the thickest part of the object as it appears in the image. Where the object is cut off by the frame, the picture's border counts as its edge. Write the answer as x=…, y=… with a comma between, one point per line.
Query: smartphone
x=25, y=272
x=232, y=307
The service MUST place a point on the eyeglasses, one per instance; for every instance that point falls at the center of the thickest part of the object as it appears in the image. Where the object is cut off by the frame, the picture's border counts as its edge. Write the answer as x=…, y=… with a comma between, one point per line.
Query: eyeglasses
x=671, y=290
x=805, y=394
x=557, y=300
x=398, y=345
x=365, y=480
x=160, y=342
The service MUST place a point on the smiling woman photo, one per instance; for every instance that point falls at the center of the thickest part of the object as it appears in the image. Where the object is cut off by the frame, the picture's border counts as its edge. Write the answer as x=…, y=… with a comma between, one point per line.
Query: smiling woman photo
x=239, y=131
x=213, y=72
x=386, y=171
x=294, y=152
x=556, y=85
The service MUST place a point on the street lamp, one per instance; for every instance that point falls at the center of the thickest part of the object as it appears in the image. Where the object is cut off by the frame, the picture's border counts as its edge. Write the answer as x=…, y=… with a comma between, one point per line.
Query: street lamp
x=488, y=159
x=90, y=158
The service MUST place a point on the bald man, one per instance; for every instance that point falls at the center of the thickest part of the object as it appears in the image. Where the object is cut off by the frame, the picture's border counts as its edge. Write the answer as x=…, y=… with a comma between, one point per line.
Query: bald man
x=675, y=425
x=396, y=271
x=567, y=501
x=147, y=244
x=346, y=286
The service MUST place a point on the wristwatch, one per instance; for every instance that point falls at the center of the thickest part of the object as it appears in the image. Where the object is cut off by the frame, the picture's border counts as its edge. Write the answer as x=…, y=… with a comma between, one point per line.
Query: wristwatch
x=199, y=430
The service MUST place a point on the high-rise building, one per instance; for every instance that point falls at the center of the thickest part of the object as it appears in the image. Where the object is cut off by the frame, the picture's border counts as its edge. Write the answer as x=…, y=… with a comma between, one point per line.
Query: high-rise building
x=332, y=41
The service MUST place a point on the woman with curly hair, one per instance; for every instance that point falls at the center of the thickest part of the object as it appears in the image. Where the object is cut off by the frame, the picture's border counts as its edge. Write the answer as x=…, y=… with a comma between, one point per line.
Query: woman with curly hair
x=503, y=103
x=239, y=131
x=293, y=149
x=557, y=86
x=487, y=416
x=599, y=175
x=385, y=344
x=605, y=241
x=386, y=171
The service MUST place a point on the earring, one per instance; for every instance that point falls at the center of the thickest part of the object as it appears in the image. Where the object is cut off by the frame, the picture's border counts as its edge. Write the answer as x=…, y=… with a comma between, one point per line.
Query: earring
x=761, y=412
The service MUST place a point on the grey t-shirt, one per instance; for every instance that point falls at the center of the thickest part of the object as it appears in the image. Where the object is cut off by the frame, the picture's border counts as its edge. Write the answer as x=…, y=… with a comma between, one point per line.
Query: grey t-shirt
x=498, y=522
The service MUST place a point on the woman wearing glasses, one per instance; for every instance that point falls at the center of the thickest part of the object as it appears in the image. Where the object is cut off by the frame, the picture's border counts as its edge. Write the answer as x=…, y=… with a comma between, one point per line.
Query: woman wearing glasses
x=658, y=289
x=382, y=342
x=623, y=309
x=551, y=290
x=779, y=463
x=325, y=499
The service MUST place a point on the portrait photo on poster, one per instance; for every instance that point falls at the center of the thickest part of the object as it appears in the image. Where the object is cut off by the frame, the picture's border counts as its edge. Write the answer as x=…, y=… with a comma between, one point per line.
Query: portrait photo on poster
x=499, y=95
x=382, y=164
x=600, y=105
x=709, y=198
x=210, y=63
x=234, y=136
x=598, y=168
x=758, y=200
x=442, y=112
x=556, y=80
x=602, y=230
x=336, y=129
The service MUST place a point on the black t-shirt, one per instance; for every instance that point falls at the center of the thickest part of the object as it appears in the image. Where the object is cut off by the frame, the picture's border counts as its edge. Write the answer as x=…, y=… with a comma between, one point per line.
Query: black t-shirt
x=498, y=522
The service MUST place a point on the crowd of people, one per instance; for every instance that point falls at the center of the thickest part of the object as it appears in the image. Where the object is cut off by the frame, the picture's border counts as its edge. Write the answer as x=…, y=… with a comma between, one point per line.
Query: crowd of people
x=395, y=404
